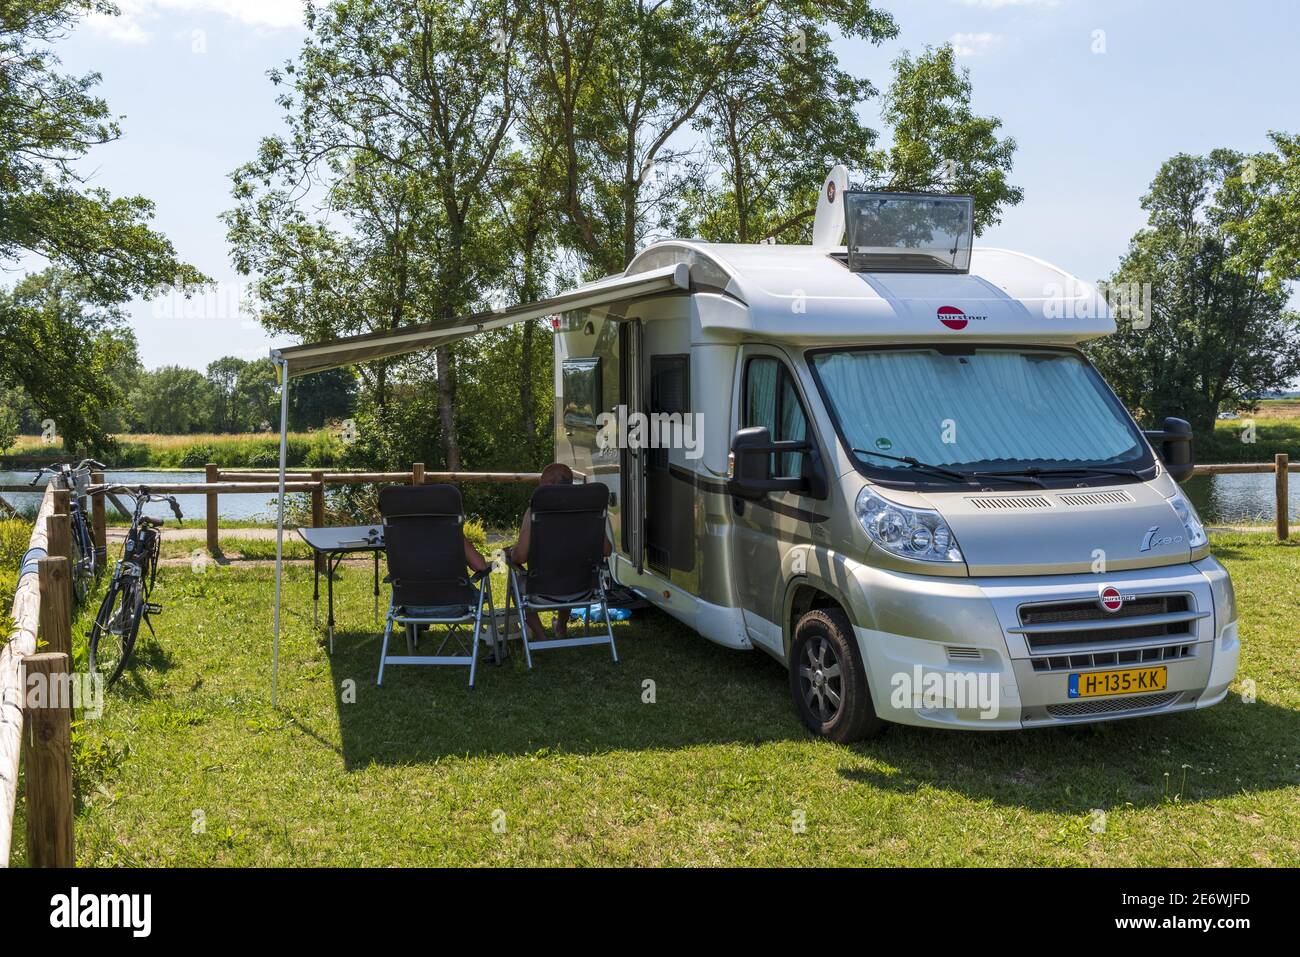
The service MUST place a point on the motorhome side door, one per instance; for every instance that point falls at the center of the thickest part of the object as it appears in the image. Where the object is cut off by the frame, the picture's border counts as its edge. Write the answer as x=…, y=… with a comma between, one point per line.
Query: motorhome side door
x=631, y=394
x=766, y=529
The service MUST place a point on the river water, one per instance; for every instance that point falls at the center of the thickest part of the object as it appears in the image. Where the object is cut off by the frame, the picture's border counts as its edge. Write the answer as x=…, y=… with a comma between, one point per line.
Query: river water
x=1220, y=499
x=254, y=507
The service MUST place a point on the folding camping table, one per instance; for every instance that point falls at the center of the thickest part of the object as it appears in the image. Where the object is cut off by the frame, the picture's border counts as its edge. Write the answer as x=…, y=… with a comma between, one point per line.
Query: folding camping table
x=333, y=545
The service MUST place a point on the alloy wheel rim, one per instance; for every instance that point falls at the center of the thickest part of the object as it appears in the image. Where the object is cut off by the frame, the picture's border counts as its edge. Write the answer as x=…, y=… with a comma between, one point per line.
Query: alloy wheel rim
x=821, y=678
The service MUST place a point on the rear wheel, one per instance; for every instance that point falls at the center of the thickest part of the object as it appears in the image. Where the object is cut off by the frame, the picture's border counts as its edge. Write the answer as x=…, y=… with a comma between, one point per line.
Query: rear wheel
x=81, y=570
x=828, y=680
x=112, y=637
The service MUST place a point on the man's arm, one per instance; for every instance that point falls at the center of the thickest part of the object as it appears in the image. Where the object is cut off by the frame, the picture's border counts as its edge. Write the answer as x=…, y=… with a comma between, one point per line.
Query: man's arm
x=518, y=553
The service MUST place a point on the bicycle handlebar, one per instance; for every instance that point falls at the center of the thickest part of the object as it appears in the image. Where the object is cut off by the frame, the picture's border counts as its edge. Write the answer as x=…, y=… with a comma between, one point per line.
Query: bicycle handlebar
x=60, y=468
x=142, y=496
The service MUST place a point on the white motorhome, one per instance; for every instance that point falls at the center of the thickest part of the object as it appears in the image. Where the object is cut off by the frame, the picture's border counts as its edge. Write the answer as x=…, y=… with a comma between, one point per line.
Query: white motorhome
x=887, y=465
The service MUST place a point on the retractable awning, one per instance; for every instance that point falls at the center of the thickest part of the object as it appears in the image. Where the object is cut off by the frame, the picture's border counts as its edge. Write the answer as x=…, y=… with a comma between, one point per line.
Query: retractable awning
x=315, y=357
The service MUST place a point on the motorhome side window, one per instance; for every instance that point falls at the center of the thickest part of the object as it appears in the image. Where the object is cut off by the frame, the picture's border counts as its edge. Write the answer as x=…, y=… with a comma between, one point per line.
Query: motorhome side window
x=581, y=392
x=771, y=399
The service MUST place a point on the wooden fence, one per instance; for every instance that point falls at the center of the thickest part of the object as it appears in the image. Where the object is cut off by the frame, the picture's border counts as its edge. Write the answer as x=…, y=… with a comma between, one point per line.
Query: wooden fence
x=42, y=606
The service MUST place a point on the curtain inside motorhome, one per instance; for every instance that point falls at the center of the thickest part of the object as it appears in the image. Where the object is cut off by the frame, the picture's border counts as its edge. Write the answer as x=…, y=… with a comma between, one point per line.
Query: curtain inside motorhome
x=989, y=406
x=771, y=399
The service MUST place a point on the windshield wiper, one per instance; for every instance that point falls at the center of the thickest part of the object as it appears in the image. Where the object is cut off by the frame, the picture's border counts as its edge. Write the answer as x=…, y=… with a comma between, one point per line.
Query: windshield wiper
x=920, y=466
x=1024, y=478
x=1034, y=471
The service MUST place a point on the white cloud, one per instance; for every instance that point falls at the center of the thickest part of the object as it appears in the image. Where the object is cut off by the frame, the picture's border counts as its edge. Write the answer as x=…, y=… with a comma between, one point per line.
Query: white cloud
x=999, y=4
x=974, y=44
x=136, y=15
x=123, y=29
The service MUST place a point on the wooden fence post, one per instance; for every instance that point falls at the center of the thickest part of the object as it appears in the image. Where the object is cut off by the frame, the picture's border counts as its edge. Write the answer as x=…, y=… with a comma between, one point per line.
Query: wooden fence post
x=99, y=521
x=62, y=501
x=58, y=534
x=55, y=628
x=318, y=510
x=417, y=473
x=1281, y=465
x=212, y=475
x=49, y=762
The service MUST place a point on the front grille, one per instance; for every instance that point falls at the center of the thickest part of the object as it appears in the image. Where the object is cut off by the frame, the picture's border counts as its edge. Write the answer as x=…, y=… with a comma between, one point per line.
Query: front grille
x=1110, y=625
x=1132, y=656
x=1077, y=709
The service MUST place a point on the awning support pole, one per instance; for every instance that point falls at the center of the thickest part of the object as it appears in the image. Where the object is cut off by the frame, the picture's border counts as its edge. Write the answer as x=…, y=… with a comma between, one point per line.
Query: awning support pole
x=283, y=365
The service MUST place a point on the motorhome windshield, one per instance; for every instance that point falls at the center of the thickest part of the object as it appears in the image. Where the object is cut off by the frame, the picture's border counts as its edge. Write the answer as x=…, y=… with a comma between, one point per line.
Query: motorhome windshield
x=980, y=410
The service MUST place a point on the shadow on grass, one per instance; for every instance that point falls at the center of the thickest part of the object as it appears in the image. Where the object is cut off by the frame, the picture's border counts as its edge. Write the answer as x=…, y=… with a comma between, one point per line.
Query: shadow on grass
x=1185, y=757
x=577, y=701
x=670, y=689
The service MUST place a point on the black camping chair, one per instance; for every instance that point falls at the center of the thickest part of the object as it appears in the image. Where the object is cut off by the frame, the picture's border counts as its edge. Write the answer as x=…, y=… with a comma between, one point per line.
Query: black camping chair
x=424, y=543
x=566, y=562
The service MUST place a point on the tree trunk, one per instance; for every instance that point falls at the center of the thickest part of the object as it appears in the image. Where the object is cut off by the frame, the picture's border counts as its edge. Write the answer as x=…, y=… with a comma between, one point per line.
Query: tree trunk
x=447, y=409
x=527, y=421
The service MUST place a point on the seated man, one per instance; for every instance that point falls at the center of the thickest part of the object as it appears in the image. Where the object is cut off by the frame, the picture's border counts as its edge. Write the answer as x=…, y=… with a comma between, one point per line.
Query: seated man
x=557, y=473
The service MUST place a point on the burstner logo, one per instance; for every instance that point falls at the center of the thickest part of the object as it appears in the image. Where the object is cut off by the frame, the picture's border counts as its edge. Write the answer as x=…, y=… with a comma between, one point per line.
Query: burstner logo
x=952, y=317
x=1111, y=599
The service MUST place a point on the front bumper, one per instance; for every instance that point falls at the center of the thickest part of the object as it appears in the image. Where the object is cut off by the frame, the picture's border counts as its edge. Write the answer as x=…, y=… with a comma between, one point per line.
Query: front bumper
x=944, y=652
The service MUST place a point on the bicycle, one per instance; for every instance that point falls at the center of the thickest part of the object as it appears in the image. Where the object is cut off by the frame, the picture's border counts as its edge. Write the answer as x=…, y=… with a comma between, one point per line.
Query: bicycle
x=77, y=479
x=112, y=637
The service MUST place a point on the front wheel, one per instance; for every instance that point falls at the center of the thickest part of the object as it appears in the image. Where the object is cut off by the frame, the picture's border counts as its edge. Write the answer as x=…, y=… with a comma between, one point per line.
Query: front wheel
x=112, y=637
x=828, y=680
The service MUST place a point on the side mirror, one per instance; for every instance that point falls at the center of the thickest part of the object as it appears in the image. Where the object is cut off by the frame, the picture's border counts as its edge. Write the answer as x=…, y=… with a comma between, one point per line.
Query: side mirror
x=751, y=464
x=1173, y=442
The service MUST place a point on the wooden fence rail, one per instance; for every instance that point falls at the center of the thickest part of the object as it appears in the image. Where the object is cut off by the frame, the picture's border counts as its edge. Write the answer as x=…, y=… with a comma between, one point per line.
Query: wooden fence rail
x=26, y=616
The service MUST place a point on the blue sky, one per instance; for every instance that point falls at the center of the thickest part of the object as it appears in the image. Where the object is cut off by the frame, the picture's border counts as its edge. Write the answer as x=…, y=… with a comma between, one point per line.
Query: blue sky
x=1096, y=94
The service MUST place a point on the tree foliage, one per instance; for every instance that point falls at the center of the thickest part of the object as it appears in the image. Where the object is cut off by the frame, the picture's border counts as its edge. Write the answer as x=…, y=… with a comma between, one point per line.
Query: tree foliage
x=1219, y=333
x=64, y=351
x=100, y=248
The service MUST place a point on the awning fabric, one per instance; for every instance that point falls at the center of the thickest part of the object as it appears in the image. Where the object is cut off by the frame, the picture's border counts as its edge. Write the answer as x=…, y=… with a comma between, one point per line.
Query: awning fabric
x=314, y=357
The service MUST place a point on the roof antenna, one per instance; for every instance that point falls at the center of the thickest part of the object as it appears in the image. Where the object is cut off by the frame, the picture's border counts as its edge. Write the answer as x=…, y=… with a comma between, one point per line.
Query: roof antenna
x=828, y=225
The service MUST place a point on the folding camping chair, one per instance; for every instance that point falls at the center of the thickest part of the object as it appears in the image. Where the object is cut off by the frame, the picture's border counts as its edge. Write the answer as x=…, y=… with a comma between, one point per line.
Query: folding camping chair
x=566, y=563
x=424, y=543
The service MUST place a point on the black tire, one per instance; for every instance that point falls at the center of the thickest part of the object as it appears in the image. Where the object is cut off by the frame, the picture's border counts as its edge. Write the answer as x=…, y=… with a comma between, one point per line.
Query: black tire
x=828, y=680
x=81, y=574
x=112, y=637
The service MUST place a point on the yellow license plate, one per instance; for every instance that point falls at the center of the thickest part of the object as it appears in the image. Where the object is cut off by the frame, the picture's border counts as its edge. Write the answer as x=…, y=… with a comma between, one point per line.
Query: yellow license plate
x=1095, y=684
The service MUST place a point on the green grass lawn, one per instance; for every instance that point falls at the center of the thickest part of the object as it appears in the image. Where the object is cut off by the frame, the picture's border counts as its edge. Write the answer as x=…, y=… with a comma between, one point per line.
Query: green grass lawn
x=567, y=764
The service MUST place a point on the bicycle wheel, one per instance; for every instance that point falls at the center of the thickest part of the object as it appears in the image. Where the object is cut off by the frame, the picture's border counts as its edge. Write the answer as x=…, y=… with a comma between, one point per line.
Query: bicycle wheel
x=113, y=635
x=81, y=569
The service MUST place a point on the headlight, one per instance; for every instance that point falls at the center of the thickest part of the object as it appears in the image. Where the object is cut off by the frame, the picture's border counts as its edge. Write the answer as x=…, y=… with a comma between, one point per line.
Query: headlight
x=1196, y=536
x=918, y=533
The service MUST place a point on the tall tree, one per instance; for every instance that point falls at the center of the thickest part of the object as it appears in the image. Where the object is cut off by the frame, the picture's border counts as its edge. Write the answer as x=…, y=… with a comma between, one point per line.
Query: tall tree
x=65, y=352
x=402, y=110
x=223, y=375
x=771, y=131
x=1218, y=331
x=99, y=246
x=171, y=399
x=939, y=143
